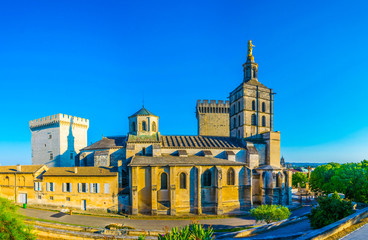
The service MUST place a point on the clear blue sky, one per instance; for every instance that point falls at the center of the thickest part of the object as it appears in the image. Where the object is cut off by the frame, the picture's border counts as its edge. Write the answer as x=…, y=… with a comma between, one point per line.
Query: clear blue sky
x=98, y=59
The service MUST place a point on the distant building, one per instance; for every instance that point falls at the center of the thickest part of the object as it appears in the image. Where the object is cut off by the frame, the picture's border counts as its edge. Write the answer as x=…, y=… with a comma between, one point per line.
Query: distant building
x=57, y=139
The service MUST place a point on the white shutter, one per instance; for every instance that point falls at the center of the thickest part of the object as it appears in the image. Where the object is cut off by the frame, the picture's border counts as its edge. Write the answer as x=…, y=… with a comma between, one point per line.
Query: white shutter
x=79, y=187
x=91, y=188
x=98, y=188
x=35, y=186
x=87, y=187
x=53, y=187
x=107, y=188
x=70, y=187
x=64, y=187
x=47, y=186
x=39, y=186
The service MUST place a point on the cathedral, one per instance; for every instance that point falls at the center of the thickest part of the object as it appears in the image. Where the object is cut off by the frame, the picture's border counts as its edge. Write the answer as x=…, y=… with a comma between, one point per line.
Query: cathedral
x=230, y=166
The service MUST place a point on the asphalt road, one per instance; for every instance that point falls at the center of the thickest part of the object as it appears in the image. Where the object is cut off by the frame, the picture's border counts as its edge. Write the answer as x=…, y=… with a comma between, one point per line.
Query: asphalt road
x=360, y=234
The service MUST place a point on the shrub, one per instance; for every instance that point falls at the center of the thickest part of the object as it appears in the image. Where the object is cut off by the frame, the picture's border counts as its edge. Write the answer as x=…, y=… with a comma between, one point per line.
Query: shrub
x=194, y=231
x=329, y=210
x=270, y=213
x=11, y=222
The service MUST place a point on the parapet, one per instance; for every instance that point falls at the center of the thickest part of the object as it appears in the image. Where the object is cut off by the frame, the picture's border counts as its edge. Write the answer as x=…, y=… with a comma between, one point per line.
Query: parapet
x=213, y=103
x=57, y=118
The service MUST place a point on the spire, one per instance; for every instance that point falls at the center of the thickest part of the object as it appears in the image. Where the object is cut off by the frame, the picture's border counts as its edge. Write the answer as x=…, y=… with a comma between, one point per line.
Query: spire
x=250, y=68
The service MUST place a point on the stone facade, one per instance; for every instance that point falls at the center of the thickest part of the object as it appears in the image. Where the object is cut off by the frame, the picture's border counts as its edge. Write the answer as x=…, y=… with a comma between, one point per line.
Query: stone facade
x=57, y=139
x=213, y=118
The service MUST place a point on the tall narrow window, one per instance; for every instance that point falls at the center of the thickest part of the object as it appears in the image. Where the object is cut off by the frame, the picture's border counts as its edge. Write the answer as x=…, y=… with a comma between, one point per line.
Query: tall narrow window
x=144, y=126
x=133, y=127
x=207, y=177
x=254, y=72
x=239, y=121
x=230, y=177
x=263, y=121
x=183, y=181
x=154, y=127
x=253, y=105
x=144, y=151
x=239, y=109
x=234, y=122
x=263, y=107
x=51, y=156
x=254, y=120
x=164, y=181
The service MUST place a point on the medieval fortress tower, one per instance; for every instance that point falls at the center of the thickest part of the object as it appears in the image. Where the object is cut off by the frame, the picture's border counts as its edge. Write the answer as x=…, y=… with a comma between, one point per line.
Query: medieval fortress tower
x=57, y=139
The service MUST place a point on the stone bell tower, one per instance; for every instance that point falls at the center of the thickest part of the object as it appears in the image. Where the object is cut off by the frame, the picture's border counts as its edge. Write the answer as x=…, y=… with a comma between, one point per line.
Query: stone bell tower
x=143, y=122
x=251, y=103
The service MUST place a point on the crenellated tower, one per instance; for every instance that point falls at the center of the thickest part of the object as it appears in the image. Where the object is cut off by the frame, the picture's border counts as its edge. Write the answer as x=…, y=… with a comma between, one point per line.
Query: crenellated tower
x=213, y=118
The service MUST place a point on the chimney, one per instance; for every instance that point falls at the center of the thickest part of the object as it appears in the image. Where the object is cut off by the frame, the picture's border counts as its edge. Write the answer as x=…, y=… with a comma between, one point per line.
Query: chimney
x=19, y=168
x=75, y=170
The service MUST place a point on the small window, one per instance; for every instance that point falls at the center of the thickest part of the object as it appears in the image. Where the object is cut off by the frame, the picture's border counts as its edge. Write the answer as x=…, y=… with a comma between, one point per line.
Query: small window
x=50, y=136
x=144, y=151
x=254, y=120
x=207, y=177
x=51, y=156
x=95, y=188
x=144, y=126
x=183, y=181
x=67, y=187
x=154, y=127
x=133, y=127
x=51, y=198
x=239, y=121
x=254, y=72
x=83, y=187
x=239, y=109
x=263, y=121
x=234, y=122
x=39, y=197
x=71, y=155
x=253, y=105
x=107, y=188
x=50, y=187
x=263, y=107
x=164, y=181
x=230, y=177
x=68, y=199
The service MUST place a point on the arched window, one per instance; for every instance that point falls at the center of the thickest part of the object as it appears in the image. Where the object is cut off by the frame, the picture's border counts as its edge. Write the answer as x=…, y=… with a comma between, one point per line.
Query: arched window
x=263, y=107
x=263, y=121
x=164, y=180
x=234, y=122
x=254, y=120
x=253, y=105
x=133, y=127
x=207, y=177
x=183, y=181
x=254, y=72
x=230, y=177
x=154, y=127
x=144, y=126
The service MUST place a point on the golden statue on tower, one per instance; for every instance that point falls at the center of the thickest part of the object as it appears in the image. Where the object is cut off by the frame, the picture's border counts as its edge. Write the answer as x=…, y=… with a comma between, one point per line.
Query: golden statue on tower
x=250, y=51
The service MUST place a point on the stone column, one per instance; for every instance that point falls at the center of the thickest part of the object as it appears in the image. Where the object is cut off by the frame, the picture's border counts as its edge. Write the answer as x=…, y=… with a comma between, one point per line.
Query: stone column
x=219, y=209
x=134, y=190
x=261, y=186
x=199, y=188
x=154, y=190
x=172, y=191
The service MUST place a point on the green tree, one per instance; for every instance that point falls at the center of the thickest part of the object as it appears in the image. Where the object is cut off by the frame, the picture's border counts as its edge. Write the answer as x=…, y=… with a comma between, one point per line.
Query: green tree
x=300, y=178
x=270, y=213
x=329, y=210
x=320, y=179
x=351, y=179
x=12, y=226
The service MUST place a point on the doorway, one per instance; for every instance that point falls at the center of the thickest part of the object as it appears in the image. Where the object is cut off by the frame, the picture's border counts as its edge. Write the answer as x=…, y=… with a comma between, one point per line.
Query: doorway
x=22, y=198
x=84, y=205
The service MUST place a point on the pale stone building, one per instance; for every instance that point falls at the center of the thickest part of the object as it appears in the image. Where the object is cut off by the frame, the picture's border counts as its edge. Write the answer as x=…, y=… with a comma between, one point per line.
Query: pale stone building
x=57, y=139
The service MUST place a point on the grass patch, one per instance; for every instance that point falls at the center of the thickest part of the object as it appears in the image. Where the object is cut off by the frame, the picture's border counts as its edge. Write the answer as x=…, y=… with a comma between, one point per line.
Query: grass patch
x=348, y=230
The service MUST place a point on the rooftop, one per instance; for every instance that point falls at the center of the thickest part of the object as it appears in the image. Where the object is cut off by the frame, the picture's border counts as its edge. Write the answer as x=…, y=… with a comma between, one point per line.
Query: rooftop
x=107, y=143
x=143, y=111
x=81, y=171
x=24, y=168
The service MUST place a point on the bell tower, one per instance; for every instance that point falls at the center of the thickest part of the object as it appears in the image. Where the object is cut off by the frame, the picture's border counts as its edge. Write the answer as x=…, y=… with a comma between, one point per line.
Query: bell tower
x=251, y=103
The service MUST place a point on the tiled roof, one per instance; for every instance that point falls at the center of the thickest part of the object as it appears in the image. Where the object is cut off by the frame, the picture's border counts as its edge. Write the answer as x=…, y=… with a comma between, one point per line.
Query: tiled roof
x=199, y=142
x=180, y=161
x=24, y=168
x=107, y=143
x=81, y=171
x=255, y=83
x=143, y=112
